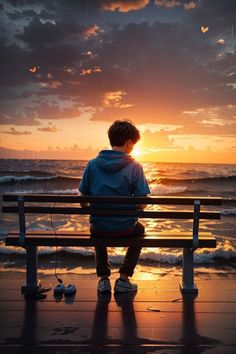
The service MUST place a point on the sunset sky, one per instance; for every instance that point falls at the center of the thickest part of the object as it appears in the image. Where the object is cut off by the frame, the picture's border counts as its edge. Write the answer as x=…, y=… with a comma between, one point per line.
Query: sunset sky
x=70, y=68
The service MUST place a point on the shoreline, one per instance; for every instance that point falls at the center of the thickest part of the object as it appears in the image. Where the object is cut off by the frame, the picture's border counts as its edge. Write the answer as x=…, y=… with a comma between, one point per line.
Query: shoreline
x=85, y=268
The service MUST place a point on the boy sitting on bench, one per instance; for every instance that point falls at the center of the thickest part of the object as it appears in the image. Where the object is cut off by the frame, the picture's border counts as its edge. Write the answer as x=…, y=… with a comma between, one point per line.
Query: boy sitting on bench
x=116, y=173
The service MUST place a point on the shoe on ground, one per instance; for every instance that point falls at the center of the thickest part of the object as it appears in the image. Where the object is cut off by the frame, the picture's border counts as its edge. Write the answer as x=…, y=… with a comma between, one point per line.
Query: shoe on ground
x=70, y=290
x=124, y=286
x=59, y=289
x=104, y=286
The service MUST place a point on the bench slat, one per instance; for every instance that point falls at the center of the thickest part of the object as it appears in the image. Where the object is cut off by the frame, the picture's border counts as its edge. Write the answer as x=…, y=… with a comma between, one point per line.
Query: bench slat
x=86, y=233
x=11, y=197
x=175, y=240
x=113, y=212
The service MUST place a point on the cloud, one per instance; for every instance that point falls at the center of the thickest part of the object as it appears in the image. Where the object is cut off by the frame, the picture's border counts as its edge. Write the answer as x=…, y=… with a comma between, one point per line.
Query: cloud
x=13, y=131
x=190, y=5
x=51, y=84
x=97, y=69
x=151, y=72
x=84, y=7
x=114, y=99
x=71, y=153
x=37, y=33
x=217, y=14
x=18, y=119
x=93, y=30
x=218, y=120
x=172, y=65
x=31, y=114
x=47, y=110
x=168, y=3
x=49, y=129
x=123, y=5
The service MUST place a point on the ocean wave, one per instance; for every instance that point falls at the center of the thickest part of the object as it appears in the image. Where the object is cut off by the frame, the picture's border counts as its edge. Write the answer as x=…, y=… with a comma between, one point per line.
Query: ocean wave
x=42, y=191
x=196, y=180
x=11, y=179
x=224, y=252
x=27, y=178
x=160, y=189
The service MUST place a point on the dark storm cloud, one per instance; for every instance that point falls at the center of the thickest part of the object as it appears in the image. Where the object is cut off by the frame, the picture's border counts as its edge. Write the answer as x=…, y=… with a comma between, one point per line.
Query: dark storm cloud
x=85, y=6
x=37, y=33
x=157, y=69
x=216, y=11
x=30, y=115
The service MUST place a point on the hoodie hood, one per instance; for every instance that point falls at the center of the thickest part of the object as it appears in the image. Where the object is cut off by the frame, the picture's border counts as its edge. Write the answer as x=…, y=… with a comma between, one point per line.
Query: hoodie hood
x=112, y=161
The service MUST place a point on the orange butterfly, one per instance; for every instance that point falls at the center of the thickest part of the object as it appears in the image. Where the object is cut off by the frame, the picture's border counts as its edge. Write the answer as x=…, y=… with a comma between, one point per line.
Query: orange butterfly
x=204, y=29
x=33, y=69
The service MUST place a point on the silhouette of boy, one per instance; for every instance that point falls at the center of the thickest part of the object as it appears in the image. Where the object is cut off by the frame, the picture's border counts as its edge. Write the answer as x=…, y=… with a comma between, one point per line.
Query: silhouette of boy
x=116, y=173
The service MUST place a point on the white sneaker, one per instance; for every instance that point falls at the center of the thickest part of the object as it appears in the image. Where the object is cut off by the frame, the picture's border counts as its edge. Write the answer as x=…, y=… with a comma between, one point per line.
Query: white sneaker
x=104, y=286
x=70, y=290
x=123, y=286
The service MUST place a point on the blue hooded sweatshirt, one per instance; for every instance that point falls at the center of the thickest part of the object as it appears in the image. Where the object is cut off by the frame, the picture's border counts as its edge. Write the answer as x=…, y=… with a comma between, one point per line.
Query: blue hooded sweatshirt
x=113, y=173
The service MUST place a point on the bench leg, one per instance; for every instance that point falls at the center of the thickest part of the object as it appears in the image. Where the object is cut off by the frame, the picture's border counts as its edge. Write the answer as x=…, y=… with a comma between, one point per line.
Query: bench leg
x=188, y=285
x=32, y=285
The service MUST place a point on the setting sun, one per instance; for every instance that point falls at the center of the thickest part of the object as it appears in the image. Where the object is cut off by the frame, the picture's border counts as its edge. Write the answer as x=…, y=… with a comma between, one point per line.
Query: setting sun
x=136, y=152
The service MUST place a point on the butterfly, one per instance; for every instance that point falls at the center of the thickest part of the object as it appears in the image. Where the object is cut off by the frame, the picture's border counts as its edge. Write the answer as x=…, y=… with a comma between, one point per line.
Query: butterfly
x=221, y=41
x=33, y=69
x=204, y=29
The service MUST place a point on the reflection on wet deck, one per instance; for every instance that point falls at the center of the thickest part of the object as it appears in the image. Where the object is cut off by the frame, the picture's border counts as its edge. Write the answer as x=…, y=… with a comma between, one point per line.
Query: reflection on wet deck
x=155, y=320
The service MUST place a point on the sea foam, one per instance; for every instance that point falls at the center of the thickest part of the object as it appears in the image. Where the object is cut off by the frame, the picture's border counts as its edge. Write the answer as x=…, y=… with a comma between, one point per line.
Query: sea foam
x=160, y=189
x=224, y=252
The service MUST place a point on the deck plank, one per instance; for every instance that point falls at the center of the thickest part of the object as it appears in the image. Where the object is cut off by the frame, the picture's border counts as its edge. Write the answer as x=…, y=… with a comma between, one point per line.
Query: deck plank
x=223, y=295
x=121, y=325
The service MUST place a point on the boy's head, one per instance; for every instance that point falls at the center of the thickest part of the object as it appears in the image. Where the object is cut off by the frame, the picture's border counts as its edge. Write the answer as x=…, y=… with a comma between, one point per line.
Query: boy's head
x=123, y=132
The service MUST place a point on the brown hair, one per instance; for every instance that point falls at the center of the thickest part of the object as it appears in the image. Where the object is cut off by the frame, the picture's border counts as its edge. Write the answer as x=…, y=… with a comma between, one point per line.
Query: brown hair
x=121, y=131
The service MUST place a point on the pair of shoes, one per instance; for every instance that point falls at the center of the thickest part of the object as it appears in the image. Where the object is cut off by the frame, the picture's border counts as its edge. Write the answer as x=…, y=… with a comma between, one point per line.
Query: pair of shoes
x=124, y=286
x=60, y=289
x=104, y=286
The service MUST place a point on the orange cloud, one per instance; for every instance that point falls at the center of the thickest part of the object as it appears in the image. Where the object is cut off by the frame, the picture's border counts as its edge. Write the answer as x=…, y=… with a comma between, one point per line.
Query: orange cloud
x=97, y=69
x=50, y=129
x=113, y=99
x=125, y=6
x=92, y=31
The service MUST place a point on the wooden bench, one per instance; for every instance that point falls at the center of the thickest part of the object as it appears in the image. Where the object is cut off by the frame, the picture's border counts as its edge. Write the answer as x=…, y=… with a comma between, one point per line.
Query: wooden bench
x=36, y=204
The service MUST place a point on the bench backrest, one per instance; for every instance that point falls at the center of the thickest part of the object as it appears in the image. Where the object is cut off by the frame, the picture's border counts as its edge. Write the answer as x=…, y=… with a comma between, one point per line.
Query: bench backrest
x=25, y=204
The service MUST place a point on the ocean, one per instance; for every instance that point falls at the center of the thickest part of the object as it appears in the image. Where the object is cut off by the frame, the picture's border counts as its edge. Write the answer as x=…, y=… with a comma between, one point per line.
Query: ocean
x=177, y=179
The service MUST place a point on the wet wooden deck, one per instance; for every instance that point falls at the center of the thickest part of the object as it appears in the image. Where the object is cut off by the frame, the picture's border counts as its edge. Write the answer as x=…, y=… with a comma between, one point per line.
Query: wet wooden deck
x=156, y=320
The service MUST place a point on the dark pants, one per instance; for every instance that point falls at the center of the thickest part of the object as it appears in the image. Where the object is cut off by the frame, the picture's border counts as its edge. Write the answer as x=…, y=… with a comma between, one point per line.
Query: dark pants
x=130, y=260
